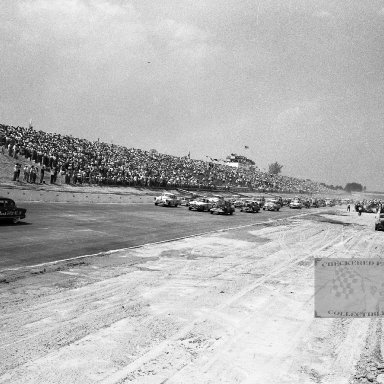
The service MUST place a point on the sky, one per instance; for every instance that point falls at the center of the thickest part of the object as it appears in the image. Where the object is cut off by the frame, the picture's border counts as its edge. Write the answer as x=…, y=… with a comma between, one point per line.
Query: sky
x=300, y=82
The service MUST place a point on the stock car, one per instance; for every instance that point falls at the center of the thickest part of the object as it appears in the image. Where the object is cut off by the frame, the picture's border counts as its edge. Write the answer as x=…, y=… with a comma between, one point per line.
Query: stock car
x=271, y=205
x=314, y=203
x=223, y=207
x=9, y=211
x=184, y=201
x=260, y=201
x=238, y=203
x=296, y=204
x=250, y=206
x=167, y=199
x=371, y=208
x=379, y=224
x=200, y=204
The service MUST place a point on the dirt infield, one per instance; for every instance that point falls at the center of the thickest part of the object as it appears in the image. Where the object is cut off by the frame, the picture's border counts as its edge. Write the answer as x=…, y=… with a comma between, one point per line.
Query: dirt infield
x=231, y=307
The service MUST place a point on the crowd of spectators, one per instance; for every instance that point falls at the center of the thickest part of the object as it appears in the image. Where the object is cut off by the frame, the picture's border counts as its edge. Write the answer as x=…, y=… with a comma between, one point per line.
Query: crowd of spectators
x=78, y=161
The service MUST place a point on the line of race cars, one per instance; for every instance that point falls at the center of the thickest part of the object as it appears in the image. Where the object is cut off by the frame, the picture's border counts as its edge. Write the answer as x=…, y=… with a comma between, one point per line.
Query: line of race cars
x=219, y=204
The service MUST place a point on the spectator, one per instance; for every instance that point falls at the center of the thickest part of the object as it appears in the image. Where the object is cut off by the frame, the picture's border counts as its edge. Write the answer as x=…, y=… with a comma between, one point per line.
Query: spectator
x=42, y=171
x=81, y=161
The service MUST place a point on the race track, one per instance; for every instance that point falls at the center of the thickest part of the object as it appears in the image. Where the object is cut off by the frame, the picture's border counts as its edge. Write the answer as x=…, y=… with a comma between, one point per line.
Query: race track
x=231, y=307
x=54, y=231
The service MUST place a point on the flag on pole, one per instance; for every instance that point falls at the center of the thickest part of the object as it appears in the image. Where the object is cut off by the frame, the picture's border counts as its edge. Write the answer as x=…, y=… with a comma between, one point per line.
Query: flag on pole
x=189, y=154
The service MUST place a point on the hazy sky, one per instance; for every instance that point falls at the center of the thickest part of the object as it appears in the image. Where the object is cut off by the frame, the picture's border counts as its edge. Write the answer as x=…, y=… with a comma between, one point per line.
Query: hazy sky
x=300, y=82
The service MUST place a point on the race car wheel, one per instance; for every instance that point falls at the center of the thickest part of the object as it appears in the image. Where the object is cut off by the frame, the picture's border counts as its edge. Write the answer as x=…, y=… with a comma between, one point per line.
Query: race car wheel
x=190, y=208
x=376, y=228
x=156, y=203
x=211, y=212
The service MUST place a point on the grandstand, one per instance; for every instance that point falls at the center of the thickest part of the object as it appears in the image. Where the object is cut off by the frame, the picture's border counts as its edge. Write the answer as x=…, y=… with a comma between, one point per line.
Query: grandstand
x=80, y=161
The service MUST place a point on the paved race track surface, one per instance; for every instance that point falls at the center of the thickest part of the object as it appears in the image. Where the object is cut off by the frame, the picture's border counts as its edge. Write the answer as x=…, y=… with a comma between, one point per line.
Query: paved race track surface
x=58, y=231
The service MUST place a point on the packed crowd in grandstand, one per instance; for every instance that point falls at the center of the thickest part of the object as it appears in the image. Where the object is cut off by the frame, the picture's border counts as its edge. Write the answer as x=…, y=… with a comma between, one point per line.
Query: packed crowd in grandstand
x=77, y=161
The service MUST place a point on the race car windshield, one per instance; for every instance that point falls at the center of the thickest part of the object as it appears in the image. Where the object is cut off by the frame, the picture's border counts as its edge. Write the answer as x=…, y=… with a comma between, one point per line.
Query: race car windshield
x=6, y=204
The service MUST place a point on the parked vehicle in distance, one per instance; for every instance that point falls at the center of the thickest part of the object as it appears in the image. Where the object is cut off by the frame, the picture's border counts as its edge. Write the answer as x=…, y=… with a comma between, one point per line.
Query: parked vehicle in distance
x=200, y=204
x=167, y=199
x=9, y=211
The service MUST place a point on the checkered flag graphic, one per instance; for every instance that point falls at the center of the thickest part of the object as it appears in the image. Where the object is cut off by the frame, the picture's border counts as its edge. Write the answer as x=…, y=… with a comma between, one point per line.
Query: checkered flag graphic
x=345, y=282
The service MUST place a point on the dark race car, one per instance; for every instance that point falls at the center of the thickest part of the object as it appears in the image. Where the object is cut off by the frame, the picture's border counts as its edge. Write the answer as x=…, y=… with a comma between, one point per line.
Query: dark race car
x=223, y=207
x=379, y=224
x=250, y=206
x=9, y=211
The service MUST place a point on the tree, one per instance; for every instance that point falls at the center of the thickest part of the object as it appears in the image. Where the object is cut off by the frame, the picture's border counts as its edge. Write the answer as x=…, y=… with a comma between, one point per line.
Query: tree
x=353, y=187
x=274, y=168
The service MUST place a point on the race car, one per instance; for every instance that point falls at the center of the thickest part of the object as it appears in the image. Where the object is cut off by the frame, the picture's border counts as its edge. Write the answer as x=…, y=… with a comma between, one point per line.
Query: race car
x=9, y=211
x=271, y=205
x=238, y=203
x=250, y=206
x=260, y=201
x=371, y=208
x=223, y=207
x=184, y=201
x=314, y=203
x=167, y=199
x=379, y=224
x=295, y=204
x=201, y=204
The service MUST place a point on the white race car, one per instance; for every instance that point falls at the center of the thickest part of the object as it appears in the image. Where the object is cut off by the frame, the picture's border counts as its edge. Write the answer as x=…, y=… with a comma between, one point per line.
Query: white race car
x=200, y=204
x=296, y=204
x=167, y=199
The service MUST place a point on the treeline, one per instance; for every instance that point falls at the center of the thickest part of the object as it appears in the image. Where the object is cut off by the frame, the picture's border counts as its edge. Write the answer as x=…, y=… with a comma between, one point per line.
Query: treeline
x=349, y=187
x=333, y=187
x=354, y=187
